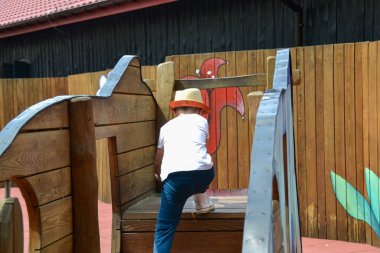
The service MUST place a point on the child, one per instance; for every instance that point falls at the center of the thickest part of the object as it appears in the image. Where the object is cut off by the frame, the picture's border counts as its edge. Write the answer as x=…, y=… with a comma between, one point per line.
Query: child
x=182, y=164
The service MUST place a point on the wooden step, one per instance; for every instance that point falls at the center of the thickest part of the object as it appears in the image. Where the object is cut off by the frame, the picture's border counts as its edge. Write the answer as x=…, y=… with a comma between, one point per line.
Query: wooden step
x=218, y=231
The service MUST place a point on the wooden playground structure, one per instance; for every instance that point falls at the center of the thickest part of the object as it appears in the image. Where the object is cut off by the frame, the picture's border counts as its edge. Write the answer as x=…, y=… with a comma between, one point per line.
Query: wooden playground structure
x=49, y=151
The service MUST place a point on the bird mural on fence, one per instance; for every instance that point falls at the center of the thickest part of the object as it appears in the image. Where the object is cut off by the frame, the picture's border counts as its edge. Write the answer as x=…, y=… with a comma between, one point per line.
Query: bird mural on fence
x=217, y=99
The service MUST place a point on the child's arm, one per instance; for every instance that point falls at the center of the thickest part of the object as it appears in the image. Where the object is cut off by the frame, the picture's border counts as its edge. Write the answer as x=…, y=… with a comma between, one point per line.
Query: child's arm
x=157, y=167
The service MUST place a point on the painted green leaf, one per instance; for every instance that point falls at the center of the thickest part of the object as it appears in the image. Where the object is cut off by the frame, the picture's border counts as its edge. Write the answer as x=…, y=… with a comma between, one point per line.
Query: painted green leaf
x=372, y=184
x=353, y=202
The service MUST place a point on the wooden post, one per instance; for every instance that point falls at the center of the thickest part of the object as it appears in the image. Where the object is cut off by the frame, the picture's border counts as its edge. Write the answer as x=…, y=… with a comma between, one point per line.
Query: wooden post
x=254, y=99
x=11, y=226
x=164, y=91
x=84, y=177
x=271, y=62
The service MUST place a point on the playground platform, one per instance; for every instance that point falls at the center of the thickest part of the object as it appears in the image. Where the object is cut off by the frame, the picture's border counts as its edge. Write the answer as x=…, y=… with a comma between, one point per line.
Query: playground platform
x=309, y=245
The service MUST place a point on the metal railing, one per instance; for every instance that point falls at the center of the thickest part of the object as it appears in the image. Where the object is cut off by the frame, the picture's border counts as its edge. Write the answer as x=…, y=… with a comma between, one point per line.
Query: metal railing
x=274, y=120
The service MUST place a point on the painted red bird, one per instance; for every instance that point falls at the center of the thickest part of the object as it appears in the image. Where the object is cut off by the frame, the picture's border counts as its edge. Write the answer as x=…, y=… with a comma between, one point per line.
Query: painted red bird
x=217, y=99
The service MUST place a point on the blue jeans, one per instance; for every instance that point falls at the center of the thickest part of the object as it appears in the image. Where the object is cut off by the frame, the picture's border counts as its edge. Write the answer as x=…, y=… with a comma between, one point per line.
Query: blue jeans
x=176, y=189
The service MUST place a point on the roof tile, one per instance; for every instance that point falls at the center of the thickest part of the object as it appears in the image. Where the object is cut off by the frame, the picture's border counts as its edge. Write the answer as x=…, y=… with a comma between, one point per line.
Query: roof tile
x=15, y=11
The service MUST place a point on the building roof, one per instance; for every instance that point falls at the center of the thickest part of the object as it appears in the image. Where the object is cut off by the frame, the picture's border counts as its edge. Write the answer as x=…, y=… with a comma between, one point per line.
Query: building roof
x=21, y=16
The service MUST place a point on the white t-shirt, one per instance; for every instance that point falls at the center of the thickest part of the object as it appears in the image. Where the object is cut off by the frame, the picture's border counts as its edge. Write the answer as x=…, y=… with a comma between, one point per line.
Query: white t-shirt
x=184, y=141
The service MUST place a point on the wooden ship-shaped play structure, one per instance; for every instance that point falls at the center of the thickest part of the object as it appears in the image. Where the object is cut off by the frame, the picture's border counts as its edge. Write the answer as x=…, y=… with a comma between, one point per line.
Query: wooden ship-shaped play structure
x=49, y=152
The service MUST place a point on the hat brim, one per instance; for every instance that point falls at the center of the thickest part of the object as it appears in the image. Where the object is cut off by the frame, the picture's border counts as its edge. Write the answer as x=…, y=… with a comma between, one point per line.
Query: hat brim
x=188, y=103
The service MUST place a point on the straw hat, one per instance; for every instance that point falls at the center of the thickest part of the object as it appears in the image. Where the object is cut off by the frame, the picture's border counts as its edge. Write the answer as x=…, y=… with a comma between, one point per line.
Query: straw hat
x=189, y=98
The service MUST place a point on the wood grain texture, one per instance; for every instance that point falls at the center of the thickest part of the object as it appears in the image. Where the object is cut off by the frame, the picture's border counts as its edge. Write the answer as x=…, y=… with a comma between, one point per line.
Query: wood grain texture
x=144, y=134
x=50, y=186
x=135, y=159
x=372, y=113
x=185, y=225
x=53, y=117
x=136, y=183
x=328, y=110
x=226, y=242
x=64, y=245
x=320, y=147
x=164, y=87
x=56, y=220
x=35, y=152
x=310, y=126
x=131, y=82
x=124, y=108
x=103, y=170
x=301, y=144
x=359, y=130
x=242, y=122
x=349, y=118
x=83, y=165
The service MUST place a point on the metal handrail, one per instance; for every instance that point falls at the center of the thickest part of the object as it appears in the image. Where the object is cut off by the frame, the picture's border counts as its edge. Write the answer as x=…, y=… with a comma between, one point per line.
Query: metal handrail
x=274, y=119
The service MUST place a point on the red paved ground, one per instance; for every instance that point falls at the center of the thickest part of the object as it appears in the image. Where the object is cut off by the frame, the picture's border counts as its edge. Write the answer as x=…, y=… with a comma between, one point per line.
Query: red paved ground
x=105, y=220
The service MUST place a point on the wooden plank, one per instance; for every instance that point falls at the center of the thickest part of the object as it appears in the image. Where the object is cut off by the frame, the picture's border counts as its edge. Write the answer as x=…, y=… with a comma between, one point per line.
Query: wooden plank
x=376, y=170
x=64, y=245
x=227, y=162
x=254, y=99
x=122, y=108
x=53, y=117
x=35, y=152
x=349, y=118
x=340, y=162
x=320, y=145
x=135, y=159
x=83, y=164
x=129, y=136
x=131, y=83
x=49, y=186
x=225, y=242
x=103, y=170
x=328, y=112
x=366, y=78
x=310, y=141
x=115, y=196
x=372, y=113
x=185, y=225
x=293, y=52
x=228, y=178
x=165, y=84
x=301, y=145
x=271, y=62
x=136, y=183
x=211, y=83
x=11, y=228
x=251, y=68
x=242, y=125
x=56, y=221
x=359, y=129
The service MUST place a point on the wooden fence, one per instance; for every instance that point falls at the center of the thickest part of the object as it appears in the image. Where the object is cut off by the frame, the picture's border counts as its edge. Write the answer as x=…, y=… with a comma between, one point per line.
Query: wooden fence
x=336, y=120
x=18, y=94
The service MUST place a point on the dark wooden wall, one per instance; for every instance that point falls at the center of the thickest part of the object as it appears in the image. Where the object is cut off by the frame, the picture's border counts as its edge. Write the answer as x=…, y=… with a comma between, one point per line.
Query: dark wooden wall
x=184, y=27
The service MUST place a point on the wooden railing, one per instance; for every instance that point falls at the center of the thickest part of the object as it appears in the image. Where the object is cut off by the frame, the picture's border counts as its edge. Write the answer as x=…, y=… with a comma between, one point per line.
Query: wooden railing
x=273, y=157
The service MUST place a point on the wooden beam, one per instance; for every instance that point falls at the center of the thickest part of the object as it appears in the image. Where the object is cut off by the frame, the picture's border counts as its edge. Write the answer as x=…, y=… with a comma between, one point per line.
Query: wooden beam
x=223, y=82
x=164, y=91
x=11, y=228
x=271, y=62
x=84, y=176
x=254, y=99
